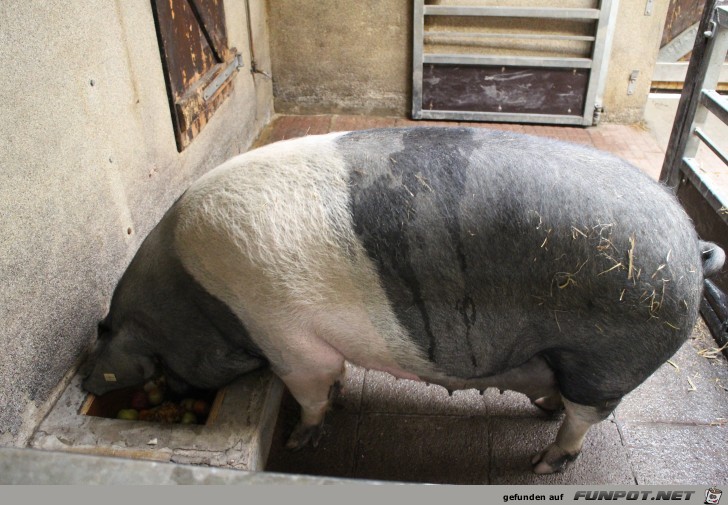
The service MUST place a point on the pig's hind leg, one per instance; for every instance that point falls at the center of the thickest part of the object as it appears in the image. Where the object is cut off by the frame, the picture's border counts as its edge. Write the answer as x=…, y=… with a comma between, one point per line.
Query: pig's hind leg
x=591, y=388
x=310, y=375
x=570, y=438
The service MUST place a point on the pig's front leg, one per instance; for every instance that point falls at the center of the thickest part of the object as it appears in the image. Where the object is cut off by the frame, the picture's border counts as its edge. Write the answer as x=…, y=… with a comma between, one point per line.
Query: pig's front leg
x=310, y=377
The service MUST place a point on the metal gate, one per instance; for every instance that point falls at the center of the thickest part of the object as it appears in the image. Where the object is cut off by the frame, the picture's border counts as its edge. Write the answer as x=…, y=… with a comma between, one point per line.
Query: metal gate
x=704, y=201
x=678, y=37
x=506, y=64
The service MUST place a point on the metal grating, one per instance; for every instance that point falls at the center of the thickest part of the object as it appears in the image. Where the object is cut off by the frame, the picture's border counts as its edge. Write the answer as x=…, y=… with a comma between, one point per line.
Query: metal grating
x=492, y=86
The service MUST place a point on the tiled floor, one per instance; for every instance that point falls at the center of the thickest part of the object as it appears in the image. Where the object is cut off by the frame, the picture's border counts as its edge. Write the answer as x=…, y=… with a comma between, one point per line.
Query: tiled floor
x=671, y=430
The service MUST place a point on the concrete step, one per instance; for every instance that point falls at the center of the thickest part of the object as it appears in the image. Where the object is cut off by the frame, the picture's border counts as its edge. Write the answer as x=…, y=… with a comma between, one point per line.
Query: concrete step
x=34, y=467
x=238, y=438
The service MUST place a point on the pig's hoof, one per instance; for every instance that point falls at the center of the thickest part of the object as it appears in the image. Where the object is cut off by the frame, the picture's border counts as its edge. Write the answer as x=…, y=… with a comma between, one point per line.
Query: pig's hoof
x=552, y=459
x=303, y=435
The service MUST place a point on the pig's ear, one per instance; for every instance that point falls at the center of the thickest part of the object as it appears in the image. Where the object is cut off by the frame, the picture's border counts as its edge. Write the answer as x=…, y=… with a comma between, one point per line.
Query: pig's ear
x=103, y=329
x=127, y=348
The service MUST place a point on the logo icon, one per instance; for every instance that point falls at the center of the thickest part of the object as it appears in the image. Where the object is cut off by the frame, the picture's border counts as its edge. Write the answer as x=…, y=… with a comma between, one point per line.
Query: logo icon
x=712, y=496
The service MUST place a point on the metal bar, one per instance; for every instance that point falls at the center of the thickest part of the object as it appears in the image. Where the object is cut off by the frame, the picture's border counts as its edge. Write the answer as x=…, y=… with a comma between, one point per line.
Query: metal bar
x=502, y=117
x=717, y=327
x=718, y=301
x=234, y=66
x=417, y=57
x=523, y=61
x=538, y=36
x=689, y=168
x=721, y=15
x=682, y=127
x=715, y=103
x=517, y=12
x=711, y=145
x=598, y=58
x=716, y=50
x=676, y=72
x=605, y=28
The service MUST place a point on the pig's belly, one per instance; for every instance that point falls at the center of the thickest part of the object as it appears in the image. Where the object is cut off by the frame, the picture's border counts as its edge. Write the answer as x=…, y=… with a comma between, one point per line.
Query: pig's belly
x=375, y=341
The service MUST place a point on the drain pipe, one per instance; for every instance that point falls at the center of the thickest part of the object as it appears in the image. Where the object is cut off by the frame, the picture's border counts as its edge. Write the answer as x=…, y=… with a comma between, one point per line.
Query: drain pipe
x=253, y=67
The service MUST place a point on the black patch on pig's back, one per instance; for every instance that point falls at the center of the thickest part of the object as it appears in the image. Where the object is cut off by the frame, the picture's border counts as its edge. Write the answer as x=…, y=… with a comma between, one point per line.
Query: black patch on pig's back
x=404, y=182
x=493, y=247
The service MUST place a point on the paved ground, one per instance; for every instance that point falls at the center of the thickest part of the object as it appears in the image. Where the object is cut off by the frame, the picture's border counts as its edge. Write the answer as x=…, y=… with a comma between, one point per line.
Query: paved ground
x=671, y=430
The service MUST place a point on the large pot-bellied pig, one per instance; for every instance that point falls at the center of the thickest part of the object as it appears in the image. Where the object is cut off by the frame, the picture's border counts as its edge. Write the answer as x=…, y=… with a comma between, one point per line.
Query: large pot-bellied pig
x=468, y=258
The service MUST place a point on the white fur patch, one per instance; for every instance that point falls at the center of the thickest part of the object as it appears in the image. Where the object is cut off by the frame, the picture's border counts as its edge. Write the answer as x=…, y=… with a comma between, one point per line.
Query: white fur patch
x=270, y=233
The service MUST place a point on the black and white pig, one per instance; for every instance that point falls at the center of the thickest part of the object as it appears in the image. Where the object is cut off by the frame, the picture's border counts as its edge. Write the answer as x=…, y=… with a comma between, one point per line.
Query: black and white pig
x=469, y=258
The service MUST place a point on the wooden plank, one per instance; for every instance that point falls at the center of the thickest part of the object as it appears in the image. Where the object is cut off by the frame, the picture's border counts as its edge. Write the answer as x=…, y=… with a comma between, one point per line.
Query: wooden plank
x=216, y=406
x=210, y=15
x=186, y=53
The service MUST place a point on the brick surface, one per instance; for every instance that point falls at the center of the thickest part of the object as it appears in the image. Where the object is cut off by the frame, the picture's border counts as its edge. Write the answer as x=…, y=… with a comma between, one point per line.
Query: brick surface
x=348, y=123
x=288, y=127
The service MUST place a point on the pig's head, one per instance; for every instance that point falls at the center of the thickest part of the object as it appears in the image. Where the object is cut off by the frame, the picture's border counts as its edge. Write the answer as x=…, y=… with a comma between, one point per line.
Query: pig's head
x=118, y=360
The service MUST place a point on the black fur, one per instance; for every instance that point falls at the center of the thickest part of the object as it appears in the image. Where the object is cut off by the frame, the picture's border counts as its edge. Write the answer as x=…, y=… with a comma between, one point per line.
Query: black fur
x=170, y=316
x=494, y=247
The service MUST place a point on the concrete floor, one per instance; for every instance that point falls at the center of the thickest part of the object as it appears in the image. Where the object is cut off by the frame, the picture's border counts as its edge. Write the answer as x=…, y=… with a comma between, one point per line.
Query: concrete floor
x=673, y=429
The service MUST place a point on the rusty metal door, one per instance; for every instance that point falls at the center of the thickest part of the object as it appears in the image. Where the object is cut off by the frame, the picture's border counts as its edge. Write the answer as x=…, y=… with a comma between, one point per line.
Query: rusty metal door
x=700, y=191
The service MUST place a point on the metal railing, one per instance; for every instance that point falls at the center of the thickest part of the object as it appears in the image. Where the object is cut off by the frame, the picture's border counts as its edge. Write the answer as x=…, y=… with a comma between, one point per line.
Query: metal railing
x=681, y=169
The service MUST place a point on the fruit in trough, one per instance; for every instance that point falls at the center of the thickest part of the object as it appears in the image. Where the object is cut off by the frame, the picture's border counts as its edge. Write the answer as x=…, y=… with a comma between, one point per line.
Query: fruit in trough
x=128, y=414
x=155, y=395
x=189, y=418
x=200, y=407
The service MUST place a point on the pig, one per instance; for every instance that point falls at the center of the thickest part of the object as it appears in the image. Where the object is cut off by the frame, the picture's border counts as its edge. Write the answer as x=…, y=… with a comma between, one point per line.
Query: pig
x=463, y=257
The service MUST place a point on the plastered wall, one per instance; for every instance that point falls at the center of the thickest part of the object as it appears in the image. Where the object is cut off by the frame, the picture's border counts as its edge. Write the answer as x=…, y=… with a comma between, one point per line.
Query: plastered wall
x=88, y=165
x=335, y=56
